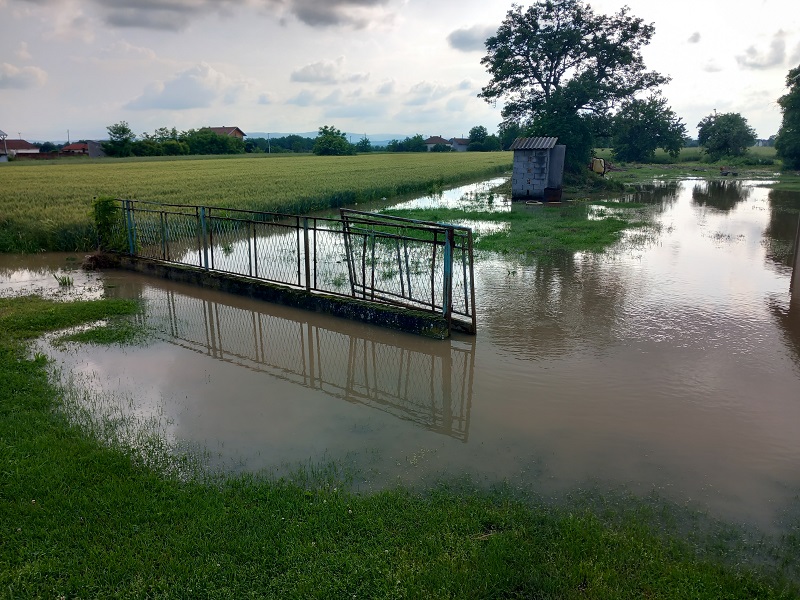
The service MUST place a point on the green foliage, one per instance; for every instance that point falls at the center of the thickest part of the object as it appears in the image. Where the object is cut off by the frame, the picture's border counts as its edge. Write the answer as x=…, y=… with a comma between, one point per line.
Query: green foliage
x=108, y=222
x=787, y=143
x=332, y=142
x=277, y=145
x=364, y=145
x=478, y=134
x=642, y=126
x=415, y=143
x=557, y=59
x=120, y=140
x=205, y=141
x=725, y=134
x=441, y=148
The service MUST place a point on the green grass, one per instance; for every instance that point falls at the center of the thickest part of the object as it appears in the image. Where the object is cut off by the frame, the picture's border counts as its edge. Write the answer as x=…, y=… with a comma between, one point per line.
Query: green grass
x=542, y=229
x=82, y=519
x=48, y=206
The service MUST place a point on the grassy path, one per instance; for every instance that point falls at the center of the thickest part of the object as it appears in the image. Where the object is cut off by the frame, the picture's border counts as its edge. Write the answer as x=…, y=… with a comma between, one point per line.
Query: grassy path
x=80, y=520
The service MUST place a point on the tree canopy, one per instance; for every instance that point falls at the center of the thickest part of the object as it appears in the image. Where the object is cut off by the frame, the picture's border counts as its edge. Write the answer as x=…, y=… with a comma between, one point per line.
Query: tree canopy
x=725, y=134
x=787, y=143
x=557, y=61
x=641, y=126
x=120, y=140
x=332, y=142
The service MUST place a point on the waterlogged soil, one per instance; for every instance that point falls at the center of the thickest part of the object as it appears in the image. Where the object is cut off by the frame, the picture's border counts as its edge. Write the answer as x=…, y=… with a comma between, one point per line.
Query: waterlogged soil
x=668, y=363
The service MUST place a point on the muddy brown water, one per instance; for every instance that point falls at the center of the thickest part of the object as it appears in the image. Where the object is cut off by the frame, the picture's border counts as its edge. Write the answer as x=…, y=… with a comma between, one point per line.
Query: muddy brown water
x=669, y=363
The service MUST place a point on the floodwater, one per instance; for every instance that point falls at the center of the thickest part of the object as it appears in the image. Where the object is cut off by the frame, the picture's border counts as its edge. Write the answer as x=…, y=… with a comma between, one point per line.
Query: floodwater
x=670, y=363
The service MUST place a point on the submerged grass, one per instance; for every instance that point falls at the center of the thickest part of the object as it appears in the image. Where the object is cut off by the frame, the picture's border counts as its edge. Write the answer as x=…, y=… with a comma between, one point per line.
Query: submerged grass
x=541, y=228
x=83, y=519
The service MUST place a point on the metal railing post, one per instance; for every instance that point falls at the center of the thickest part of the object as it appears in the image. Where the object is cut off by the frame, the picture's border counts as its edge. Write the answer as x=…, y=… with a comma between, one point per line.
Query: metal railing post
x=204, y=233
x=447, y=283
x=129, y=225
x=307, y=257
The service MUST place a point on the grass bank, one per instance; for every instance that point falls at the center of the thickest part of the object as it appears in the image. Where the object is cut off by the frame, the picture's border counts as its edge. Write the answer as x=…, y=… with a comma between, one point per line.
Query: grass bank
x=47, y=205
x=83, y=519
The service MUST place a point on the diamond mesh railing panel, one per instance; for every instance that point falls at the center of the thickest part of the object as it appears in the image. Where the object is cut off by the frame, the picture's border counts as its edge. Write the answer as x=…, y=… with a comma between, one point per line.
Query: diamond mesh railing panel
x=373, y=257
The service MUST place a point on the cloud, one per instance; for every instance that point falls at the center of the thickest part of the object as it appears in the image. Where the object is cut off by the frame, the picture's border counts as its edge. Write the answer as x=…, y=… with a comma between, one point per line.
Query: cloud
x=775, y=56
x=425, y=92
x=711, y=67
x=795, y=57
x=265, y=98
x=330, y=13
x=198, y=87
x=694, y=38
x=471, y=39
x=327, y=72
x=177, y=15
x=25, y=78
x=386, y=88
x=22, y=52
x=304, y=98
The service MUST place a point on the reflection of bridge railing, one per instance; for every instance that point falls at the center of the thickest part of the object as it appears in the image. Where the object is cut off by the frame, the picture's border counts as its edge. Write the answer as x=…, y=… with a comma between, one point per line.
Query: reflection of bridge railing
x=425, y=266
x=429, y=384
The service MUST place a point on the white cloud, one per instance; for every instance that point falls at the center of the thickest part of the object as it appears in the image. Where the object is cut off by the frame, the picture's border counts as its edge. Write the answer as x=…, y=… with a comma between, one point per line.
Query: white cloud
x=304, y=98
x=22, y=52
x=264, y=98
x=694, y=38
x=198, y=87
x=25, y=78
x=327, y=72
x=775, y=56
x=387, y=87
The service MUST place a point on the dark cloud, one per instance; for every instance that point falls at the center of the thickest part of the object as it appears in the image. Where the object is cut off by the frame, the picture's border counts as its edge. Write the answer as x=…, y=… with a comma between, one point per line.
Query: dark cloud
x=774, y=57
x=176, y=15
x=327, y=72
x=694, y=38
x=471, y=39
x=21, y=78
x=198, y=87
x=167, y=15
x=328, y=13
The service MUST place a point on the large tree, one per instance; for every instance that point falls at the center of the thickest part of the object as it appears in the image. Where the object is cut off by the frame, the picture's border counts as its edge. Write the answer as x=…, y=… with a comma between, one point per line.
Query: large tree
x=557, y=61
x=332, y=142
x=120, y=140
x=641, y=126
x=725, y=134
x=787, y=144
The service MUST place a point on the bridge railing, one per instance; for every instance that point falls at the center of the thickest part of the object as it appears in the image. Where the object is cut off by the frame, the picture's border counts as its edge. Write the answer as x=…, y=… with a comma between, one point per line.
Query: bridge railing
x=415, y=264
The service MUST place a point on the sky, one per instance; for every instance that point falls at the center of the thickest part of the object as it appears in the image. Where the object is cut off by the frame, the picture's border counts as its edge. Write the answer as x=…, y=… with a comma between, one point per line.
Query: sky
x=364, y=66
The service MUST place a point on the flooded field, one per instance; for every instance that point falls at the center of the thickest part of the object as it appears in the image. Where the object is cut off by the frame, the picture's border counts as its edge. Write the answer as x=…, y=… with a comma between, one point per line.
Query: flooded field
x=670, y=363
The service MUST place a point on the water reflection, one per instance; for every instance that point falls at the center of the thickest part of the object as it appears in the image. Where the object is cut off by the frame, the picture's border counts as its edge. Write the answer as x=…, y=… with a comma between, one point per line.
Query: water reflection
x=545, y=308
x=780, y=233
x=789, y=317
x=427, y=382
x=723, y=195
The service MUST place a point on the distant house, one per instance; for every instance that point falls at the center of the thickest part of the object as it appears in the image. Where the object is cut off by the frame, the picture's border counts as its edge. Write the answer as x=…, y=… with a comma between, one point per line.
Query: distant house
x=14, y=148
x=459, y=144
x=77, y=149
x=231, y=131
x=436, y=140
x=96, y=149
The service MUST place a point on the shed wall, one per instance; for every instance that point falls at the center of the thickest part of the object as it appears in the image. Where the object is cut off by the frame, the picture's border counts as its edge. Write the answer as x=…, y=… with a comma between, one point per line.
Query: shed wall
x=530, y=173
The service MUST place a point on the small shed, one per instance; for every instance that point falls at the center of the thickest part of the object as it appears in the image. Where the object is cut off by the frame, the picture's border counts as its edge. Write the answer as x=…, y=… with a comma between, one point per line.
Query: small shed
x=538, y=166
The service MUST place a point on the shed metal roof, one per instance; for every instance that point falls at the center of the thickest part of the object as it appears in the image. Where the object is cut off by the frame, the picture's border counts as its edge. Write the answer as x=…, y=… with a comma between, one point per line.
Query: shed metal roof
x=534, y=143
